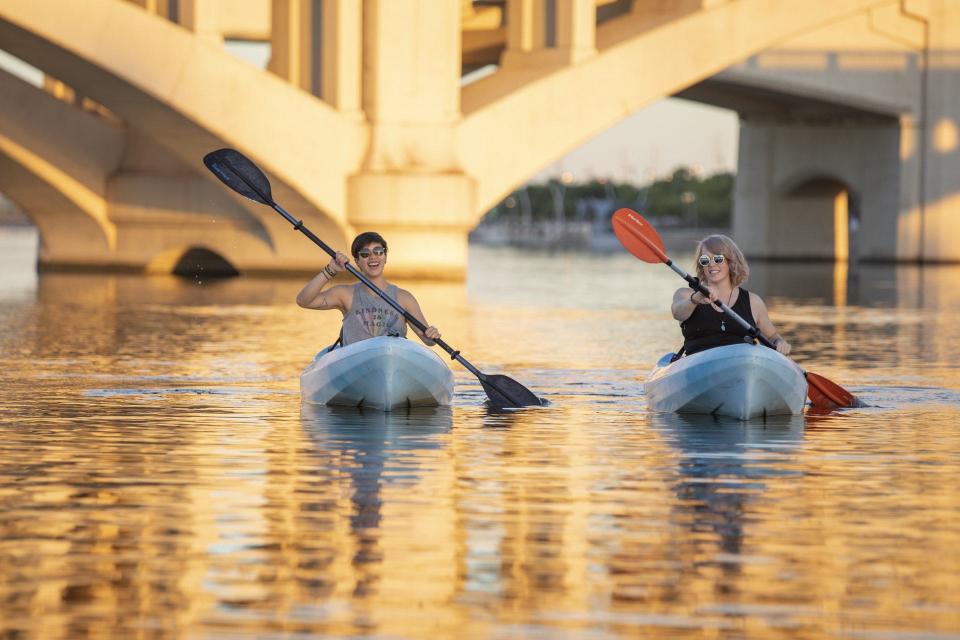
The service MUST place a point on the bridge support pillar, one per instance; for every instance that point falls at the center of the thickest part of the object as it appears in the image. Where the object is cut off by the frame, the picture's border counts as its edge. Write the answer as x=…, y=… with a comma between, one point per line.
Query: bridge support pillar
x=294, y=47
x=424, y=218
x=541, y=34
x=316, y=46
x=411, y=187
x=526, y=31
x=822, y=191
x=936, y=219
x=202, y=17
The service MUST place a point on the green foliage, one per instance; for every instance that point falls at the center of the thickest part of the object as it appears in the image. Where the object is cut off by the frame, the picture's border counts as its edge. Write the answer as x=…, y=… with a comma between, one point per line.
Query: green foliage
x=683, y=199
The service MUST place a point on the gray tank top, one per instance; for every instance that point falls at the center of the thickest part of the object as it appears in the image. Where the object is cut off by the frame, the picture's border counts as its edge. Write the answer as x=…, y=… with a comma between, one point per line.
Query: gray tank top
x=370, y=316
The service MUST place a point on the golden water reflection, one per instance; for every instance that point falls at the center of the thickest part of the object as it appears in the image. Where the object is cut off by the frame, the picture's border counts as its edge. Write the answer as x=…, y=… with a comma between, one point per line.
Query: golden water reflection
x=160, y=478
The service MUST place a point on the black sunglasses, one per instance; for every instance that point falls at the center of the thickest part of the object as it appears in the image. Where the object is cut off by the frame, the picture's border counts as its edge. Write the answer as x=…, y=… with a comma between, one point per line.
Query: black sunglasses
x=704, y=260
x=377, y=251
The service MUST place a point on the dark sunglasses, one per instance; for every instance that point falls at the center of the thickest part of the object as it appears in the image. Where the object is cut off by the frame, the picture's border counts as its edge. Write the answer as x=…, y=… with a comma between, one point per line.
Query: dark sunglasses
x=704, y=260
x=377, y=251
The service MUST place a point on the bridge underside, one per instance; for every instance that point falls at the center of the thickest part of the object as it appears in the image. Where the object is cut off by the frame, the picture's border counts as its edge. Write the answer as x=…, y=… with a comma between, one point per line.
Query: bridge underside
x=817, y=180
x=363, y=123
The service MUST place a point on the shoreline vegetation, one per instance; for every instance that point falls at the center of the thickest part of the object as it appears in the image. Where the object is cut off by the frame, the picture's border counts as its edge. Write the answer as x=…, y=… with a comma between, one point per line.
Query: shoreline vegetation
x=564, y=215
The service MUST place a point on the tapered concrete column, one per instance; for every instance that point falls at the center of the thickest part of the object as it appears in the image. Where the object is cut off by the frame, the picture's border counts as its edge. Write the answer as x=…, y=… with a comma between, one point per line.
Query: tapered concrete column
x=526, y=25
x=544, y=33
x=201, y=17
x=526, y=32
x=411, y=187
x=317, y=46
x=342, y=55
x=292, y=42
x=156, y=7
x=576, y=30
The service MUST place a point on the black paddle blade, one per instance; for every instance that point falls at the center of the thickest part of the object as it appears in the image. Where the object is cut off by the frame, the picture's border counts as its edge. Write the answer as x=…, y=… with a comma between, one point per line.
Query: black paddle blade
x=507, y=392
x=240, y=174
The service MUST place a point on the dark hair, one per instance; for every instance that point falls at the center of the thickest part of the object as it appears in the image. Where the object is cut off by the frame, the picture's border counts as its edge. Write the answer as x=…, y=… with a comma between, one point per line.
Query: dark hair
x=365, y=238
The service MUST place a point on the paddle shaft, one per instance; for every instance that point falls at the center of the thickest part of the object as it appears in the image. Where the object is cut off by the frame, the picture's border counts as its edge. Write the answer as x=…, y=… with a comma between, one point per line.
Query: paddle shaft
x=825, y=388
x=823, y=393
x=298, y=225
x=695, y=284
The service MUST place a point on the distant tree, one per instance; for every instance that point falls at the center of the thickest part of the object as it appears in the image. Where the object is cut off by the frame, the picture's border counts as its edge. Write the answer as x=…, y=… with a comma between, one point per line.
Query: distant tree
x=682, y=198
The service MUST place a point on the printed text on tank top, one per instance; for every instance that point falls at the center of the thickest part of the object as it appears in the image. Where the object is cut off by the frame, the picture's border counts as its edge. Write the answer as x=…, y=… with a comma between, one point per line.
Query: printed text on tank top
x=369, y=316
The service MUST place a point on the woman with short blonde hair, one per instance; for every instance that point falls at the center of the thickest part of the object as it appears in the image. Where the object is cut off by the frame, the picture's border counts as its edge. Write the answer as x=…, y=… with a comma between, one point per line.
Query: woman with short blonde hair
x=722, y=268
x=721, y=244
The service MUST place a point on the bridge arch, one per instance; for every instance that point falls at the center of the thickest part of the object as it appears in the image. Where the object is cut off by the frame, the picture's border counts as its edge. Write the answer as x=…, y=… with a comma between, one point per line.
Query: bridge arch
x=158, y=97
x=815, y=216
x=67, y=229
x=105, y=195
x=201, y=260
x=396, y=156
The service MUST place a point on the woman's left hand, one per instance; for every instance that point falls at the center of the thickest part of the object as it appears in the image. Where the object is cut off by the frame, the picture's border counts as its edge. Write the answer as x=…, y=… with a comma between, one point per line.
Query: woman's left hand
x=432, y=332
x=783, y=347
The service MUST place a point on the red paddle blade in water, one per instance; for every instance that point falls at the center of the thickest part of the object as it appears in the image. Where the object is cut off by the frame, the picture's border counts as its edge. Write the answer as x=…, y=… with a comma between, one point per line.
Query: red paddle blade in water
x=637, y=236
x=643, y=241
x=825, y=394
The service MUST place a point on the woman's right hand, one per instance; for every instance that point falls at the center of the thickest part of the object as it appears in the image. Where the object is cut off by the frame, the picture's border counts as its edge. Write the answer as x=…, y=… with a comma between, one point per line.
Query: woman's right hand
x=699, y=298
x=339, y=263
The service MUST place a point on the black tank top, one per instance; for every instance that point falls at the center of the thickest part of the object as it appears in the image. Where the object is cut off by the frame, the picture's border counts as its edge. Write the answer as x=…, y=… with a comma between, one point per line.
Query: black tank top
x=707, y=328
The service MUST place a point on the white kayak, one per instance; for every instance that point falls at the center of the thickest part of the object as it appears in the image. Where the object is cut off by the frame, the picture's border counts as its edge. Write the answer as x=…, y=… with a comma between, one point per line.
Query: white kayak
x=379, y=373
x=741, y=381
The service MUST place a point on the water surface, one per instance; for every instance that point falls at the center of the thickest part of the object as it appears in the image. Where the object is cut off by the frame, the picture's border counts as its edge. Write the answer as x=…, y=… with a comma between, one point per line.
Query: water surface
x=160, y=477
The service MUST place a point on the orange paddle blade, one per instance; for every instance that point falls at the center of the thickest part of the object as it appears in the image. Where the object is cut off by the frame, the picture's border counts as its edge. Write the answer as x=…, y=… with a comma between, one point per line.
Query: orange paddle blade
x=825, y=394
x=638, y=237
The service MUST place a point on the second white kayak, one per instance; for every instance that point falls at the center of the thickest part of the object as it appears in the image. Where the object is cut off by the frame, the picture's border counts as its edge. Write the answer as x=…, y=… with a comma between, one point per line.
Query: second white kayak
x=380, y=373
x=741, y=381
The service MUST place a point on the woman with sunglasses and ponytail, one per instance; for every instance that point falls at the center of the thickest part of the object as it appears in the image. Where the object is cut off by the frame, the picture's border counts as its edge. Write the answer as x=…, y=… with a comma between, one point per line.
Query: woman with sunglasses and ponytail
x=722, y=269
x=365, y=314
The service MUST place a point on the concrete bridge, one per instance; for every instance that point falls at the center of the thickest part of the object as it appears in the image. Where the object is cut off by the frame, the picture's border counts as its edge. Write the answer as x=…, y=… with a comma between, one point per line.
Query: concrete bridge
x=848, y=111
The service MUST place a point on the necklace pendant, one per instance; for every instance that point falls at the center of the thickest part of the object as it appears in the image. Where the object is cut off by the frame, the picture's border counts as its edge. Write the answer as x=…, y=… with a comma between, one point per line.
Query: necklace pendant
x=723, y=326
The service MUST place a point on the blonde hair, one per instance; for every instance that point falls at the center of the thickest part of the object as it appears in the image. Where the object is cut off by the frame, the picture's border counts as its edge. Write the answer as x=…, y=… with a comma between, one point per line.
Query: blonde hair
x=722, y=245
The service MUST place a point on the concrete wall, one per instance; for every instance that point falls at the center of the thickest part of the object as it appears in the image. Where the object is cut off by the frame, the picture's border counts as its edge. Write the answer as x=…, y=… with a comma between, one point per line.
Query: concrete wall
x=806, y=222
x=777, y=159
x=937, y=216
x=870, y=101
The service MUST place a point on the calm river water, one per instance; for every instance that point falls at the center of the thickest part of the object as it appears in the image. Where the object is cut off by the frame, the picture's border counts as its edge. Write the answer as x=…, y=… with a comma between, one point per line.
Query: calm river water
x=160, y=478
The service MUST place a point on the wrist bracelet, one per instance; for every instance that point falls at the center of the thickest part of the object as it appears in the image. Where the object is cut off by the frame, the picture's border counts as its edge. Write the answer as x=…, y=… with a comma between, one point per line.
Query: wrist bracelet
x=330, y=274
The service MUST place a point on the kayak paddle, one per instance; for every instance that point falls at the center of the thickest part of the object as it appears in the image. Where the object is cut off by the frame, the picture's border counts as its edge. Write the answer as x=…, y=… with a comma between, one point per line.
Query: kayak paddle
x=240, y=174
x=642, y=240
